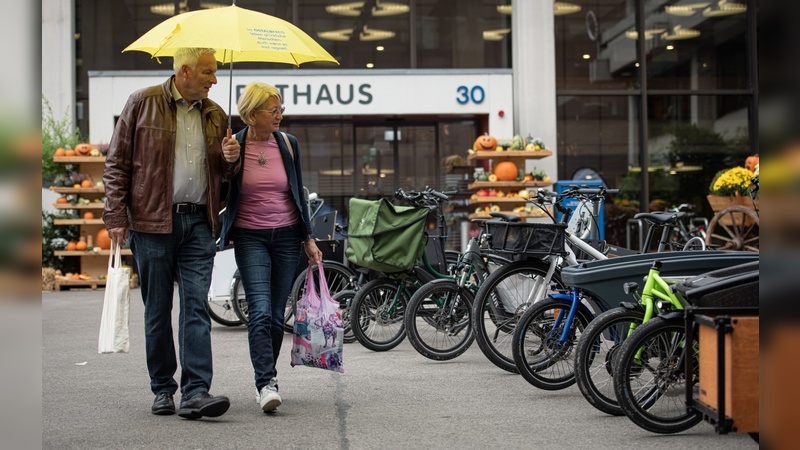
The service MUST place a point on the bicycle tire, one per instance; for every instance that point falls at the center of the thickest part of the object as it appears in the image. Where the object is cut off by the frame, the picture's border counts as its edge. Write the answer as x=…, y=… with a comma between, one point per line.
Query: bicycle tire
x=221, y=311
x=494, y=328
x=345, y=299
x=375, y=329
x=432, y=330
x=238, y=299
x=539, y=357
x=653, y=395
x=337, y=275
x=595, y=355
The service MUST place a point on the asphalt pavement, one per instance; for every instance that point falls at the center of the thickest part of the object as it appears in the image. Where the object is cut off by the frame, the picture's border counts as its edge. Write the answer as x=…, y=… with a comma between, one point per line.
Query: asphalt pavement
x=389, y=400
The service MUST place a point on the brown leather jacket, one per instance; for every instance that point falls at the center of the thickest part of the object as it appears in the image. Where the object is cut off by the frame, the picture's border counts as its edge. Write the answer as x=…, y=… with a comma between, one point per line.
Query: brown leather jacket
x=141, y=157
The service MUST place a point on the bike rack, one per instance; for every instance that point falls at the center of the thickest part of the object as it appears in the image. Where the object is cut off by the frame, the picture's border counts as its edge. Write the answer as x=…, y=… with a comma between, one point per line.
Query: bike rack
x=638, y=226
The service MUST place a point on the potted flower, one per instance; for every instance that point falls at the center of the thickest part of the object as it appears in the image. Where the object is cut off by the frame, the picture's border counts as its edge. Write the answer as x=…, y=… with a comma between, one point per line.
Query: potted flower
x=730, y=187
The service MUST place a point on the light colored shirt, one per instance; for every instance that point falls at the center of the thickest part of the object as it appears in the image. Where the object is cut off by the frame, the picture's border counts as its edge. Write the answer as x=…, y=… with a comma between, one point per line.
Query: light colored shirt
x=265, y=200
x=189, y=175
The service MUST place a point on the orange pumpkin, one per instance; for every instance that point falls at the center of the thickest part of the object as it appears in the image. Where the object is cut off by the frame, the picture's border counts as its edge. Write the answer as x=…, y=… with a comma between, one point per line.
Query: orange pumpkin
x=69, y=152
x=102, y=240
x=76, y=277
x=86, y=183
x=71, y=246
x=60, y=152
x=83, y=149
x=506, y=171
x=88, y=215
x=61, y=200
x=81, y=245
x=751, y=162
x=485, y=142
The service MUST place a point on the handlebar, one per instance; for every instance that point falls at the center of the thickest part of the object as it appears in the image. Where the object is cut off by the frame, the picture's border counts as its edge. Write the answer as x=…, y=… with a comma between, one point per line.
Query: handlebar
x=420, y=197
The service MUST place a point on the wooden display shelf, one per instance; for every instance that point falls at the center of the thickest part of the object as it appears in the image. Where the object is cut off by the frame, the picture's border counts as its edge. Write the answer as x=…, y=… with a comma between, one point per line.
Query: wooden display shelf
x=509, y=154
x=485, y=215
x=93, y=284
x=74, y=190
x=78, y=159
x=76, y=221
x=460, y=169
x=508, y=184
x=92, y=205
x=123, y=252
x=482, y=200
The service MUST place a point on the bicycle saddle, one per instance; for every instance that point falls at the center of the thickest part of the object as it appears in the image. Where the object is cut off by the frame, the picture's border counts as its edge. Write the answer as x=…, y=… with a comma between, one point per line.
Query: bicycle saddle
x=661, y=217
x=505, y=217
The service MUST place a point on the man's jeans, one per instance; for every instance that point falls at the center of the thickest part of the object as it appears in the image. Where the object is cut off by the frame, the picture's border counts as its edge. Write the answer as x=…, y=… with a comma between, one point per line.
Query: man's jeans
x=267, y=261
x=185, y=257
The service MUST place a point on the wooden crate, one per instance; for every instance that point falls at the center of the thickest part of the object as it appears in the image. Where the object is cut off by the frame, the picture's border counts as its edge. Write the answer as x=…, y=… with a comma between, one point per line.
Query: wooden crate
x=741, y=372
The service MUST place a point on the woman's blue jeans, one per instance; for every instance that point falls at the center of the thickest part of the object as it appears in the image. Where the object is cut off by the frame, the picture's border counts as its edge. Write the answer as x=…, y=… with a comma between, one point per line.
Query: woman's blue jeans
x=267, y=261
x=185, y=257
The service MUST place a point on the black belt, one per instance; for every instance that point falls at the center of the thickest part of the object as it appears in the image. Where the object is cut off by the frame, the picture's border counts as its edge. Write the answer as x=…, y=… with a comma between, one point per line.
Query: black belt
x=184, y=208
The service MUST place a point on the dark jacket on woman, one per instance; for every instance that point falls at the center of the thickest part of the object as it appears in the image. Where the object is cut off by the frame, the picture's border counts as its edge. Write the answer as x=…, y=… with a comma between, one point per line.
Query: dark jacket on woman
x=141, y=159
x=291, y=163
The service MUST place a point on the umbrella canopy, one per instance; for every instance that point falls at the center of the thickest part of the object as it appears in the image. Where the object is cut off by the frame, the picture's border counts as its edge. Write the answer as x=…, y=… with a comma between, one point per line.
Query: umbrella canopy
x=237, y=34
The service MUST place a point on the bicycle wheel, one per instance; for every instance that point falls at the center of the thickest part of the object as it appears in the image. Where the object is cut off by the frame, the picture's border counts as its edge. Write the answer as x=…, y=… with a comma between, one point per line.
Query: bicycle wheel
x=238, y=300
x=595, y=355
x=345, y=299
x=221, y=311
x=500, y=302
x=539, y=353
x=337, y=275
x=376, y=314
x=650, y=380
x=437, y=320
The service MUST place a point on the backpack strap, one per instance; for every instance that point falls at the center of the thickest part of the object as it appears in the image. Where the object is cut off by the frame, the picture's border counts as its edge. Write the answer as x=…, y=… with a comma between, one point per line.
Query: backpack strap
x=288, y=144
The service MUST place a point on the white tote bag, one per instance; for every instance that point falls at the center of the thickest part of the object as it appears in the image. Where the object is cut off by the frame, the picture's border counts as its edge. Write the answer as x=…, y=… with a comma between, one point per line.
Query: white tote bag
x=114, y=337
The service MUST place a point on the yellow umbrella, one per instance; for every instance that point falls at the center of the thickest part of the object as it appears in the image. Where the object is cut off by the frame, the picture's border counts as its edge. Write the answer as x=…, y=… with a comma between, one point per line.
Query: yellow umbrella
x=237, y=34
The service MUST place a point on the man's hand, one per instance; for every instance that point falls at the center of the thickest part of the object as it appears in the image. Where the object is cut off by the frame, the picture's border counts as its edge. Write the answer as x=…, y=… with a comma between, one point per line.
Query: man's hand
x=118, y=235
x=230, y=148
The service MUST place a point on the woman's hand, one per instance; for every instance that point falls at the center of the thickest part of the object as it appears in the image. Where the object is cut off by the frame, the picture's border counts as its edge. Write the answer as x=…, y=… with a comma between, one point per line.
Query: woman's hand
x=313, y=252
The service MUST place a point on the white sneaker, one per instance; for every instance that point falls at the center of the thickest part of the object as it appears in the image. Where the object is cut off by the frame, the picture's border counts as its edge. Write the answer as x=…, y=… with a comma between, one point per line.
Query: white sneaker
x=269, y=399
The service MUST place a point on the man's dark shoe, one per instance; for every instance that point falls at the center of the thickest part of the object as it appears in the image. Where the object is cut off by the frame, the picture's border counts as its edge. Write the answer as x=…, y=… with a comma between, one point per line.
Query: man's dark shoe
x=203, y=404
x=163, y=405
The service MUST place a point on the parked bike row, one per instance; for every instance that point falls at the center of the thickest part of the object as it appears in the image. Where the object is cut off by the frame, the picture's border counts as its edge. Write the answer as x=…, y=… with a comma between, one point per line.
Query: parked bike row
x=541, y=299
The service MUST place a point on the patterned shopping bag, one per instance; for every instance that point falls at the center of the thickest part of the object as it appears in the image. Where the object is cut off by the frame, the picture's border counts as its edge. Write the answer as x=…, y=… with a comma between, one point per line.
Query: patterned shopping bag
x=318, y=328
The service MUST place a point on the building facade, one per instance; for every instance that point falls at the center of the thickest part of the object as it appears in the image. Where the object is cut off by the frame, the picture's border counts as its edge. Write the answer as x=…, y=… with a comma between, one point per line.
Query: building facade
x=419, y=80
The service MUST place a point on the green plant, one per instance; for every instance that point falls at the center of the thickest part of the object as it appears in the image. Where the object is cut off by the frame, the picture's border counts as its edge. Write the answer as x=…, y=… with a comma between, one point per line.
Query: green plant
x=56, y=134
x=731, y=182
x=56, y=237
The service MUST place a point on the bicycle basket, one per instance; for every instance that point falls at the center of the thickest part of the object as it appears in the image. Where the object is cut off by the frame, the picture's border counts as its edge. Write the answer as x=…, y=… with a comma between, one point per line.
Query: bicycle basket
x=385, y=237
x=530, y=239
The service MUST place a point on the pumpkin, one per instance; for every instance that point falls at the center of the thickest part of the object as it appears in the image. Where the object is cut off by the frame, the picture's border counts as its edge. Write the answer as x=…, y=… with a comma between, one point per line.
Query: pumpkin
x=71, y=246
x=751, y=162
x=76, y=277
x=102, y=240
x=81, y=245
x=87, y=184
x=485, y=142
x=83, y=149
x=62, y=200
x=60, y=152
x=506, y=171
x=88, y=215
x=69, y=152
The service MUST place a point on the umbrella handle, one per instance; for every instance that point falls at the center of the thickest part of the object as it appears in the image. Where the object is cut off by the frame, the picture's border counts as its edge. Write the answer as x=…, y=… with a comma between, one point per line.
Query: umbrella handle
x=229, y=133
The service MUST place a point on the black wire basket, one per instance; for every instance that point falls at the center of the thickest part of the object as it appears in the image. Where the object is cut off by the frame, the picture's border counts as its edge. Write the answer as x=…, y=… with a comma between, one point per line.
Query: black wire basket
x=530, y=239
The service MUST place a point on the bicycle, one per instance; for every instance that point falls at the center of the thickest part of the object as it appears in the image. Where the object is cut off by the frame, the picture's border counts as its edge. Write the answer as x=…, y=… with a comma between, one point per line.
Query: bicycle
x=437, y=322
x=378, y=307
x=510, y=290
x=652, y=379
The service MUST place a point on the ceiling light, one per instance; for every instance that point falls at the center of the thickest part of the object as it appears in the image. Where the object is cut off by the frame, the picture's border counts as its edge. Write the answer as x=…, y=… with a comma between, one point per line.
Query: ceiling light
x=724, y=8
x=168, y=9
x=380, y=48
x=495, y=35
x=648, y=34
x=564, y=8
x=353, y=9
x=370, y=65
x=586, y=56
x=686, y=10
x=670, y=47
x=679, y=33
x=559, y=8
x=367, y=34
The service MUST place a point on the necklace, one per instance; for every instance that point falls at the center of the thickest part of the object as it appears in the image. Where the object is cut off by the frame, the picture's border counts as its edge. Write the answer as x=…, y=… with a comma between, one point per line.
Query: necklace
x=262, y=159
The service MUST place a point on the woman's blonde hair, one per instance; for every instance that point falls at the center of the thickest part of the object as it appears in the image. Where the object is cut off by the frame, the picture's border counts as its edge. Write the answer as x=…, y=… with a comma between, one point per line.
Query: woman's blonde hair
x=255, y=96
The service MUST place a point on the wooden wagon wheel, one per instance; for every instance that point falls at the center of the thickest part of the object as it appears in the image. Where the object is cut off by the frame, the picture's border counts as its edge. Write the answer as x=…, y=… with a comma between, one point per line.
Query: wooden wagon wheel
x=734, y=228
